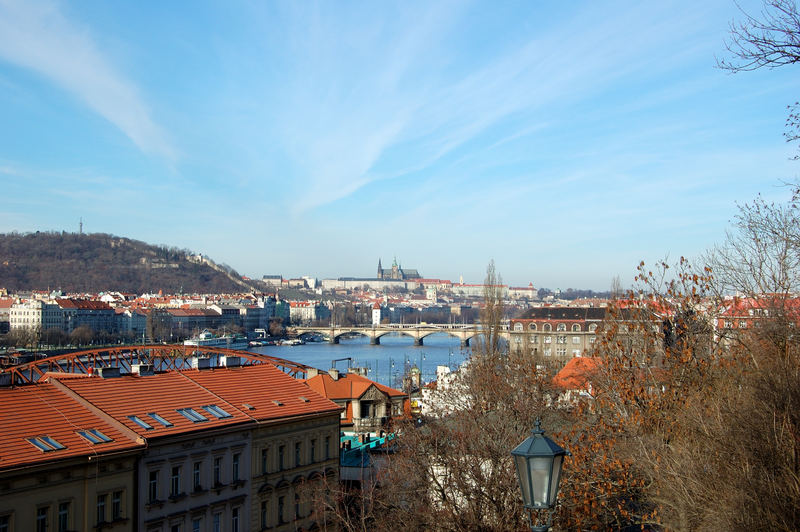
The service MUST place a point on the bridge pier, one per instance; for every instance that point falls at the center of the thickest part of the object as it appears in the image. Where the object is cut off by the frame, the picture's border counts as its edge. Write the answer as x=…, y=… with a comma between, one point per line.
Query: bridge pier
x=417, y=342
x=334, y=339
x=464, y=343
x=375, y=340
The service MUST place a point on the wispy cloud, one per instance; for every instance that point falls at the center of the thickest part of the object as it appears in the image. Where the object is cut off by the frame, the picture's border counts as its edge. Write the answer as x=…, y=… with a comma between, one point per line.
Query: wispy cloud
x=37, y=36
x=396, y=105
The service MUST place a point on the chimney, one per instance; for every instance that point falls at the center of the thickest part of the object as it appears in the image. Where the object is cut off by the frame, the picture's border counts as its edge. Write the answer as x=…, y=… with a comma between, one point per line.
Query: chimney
x=108, y=373
x=311, y=373
x=334, y=373
x=201, y=362
x=230, y=361
x=142, y=369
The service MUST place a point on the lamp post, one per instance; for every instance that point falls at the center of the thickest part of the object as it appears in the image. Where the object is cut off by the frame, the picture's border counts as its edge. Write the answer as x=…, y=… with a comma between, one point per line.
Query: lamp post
x=539, y=460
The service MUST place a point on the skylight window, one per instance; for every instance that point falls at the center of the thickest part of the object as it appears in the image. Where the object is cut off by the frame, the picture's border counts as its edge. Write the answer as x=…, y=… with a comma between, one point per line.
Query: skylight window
x=94, y=436
x=45, y=444
x=192, y=415
x=159, y=419
x=144, y=424
x=216, y=411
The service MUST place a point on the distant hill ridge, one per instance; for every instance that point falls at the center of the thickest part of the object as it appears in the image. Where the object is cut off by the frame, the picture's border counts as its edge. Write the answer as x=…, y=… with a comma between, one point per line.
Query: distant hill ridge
x=98, y=262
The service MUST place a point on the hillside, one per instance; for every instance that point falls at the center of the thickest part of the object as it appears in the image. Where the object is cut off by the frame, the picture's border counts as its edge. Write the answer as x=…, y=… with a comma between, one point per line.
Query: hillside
x=99, y=262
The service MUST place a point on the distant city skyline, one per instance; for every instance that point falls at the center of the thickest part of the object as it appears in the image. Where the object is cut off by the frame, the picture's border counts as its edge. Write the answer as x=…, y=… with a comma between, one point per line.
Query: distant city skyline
x=565, y=142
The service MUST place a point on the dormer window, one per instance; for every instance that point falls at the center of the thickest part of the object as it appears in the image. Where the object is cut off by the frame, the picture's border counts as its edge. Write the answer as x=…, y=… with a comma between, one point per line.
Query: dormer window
x=45, y=444
x=94, y=436
x=192, y=415
x=216, y=411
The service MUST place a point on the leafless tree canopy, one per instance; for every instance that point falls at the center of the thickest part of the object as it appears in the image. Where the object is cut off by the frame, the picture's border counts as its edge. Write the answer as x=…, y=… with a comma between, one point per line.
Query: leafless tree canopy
x=770, y=39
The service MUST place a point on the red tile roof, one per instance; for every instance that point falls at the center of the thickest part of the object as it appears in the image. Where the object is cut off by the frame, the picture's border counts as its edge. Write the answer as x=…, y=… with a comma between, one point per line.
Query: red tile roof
x=577, y=373
x=43, y=410
x=347, y=386
x=228, y=388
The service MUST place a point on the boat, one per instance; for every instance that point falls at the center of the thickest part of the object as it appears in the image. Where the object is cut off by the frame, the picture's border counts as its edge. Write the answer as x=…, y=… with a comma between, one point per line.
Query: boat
x=207, y=339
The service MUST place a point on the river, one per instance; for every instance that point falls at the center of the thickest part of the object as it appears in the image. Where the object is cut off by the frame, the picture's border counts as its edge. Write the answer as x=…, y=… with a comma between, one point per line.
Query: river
x=386, y=363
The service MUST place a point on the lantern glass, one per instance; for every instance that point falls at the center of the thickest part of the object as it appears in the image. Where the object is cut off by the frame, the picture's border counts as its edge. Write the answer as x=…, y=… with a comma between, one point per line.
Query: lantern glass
x=558, y=460
x=539, y=468
x=524, y=479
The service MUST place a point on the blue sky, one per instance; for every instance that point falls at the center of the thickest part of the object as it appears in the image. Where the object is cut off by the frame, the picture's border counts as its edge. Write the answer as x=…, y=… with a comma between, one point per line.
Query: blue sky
x=567, y=141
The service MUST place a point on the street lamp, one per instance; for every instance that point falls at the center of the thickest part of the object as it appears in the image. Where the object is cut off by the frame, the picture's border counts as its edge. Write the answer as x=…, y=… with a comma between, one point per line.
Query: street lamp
x=539, y=460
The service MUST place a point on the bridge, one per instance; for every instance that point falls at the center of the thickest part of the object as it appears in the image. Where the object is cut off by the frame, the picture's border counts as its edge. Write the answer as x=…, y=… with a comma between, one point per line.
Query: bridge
x=418, y=331
x=160, y=357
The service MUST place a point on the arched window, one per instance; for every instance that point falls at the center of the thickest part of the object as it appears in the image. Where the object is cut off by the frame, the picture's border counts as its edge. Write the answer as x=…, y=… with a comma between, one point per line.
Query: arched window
x=593, y=327
x=518, y=326
x=576, y=327
x=561, y=327
x=547, y=327
x=532, y=326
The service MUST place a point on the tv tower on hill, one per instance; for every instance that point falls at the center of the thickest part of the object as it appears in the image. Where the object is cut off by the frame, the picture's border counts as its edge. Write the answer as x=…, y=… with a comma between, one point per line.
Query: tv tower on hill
x=80, y=227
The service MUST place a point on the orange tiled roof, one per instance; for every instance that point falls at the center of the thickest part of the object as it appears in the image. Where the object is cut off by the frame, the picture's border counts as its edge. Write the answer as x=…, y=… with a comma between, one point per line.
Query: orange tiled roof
x=42, y=410
x=347, y=386
x=228, y=388
x=575, y=375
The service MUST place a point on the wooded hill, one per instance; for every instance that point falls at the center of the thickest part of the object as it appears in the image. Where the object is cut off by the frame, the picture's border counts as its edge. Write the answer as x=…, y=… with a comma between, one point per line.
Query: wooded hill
x=100, y=262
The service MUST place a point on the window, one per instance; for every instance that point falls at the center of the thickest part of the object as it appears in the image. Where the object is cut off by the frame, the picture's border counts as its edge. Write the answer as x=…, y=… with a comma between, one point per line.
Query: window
x=327, y=447
x=576, y=339
x=561, y=339
x=532, y=326
x=728, y=324
x=235, y=520
x=297, y=454
x=548, y=339
x=217, y=466
x=742, y=324
x=192, y=415
x=175, y=481
x=263, y=514
x=5, y=523
x=281, y=453
x=196, y=524
x=576, y=327
x=41, y=518
x=296, y=506
x=145, y=425
x=592, y=339
x=576, y=352
x=175, y=528
x=312, y=451
x=94, y=436
x=101, y=509
x=561, y=327
x=534, y=339
x=159, y=419
x=46, y=444
x=116, y=505
x=264, y=456
x=547, y=327
x=216, y=522
x=561, y=351
x=216, y=411
x=63, y=518
x=235, y=466
x=547, y=351
x=196, y=476
x=593, y=327
x=281, y=502
x=152, y=486
x=518, y=326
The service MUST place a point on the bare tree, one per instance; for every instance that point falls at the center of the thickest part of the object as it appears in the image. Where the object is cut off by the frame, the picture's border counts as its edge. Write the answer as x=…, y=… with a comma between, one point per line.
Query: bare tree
x=769, y=40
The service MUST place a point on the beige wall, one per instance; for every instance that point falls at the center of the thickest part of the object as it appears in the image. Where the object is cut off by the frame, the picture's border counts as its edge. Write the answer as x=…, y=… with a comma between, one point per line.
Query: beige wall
x=74, y=485
x=272, y=484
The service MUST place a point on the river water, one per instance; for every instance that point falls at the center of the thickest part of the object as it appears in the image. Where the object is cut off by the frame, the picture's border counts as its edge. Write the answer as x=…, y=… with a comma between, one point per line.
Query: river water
x=386, y=363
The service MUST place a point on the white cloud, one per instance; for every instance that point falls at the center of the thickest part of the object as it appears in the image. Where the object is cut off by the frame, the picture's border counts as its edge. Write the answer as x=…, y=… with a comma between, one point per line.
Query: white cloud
x=36, y=35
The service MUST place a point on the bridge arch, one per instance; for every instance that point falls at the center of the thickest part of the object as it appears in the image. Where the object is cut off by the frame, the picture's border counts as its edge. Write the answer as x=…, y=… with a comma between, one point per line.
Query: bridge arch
x=162, y=357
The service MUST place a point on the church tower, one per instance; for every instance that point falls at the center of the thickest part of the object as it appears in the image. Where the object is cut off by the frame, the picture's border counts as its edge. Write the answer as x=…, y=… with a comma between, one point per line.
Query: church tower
x=380, y=270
